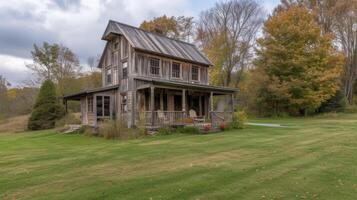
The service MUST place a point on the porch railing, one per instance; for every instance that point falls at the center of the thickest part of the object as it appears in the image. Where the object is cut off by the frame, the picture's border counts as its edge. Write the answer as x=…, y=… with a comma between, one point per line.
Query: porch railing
x=218, y=117
x=161, y=118
x=170, y=118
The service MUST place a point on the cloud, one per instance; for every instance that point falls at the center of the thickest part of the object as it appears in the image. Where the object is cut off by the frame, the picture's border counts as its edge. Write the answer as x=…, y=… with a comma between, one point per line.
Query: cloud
x=77, y=24
x=14, y=69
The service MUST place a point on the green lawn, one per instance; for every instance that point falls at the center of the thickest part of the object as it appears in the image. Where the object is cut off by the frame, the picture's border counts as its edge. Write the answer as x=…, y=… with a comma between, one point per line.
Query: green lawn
x=313, y=158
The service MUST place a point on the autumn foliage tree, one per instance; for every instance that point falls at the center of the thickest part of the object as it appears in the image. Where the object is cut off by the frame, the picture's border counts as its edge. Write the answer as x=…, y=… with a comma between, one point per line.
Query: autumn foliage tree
x=296, y=67
x=174, y=27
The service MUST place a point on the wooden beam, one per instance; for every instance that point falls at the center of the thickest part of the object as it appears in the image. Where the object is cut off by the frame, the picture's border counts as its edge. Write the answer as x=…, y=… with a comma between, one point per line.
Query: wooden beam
x=200, y=105
x=232, y=99
x=152, y=104
x=211, y=101
x=184, y=100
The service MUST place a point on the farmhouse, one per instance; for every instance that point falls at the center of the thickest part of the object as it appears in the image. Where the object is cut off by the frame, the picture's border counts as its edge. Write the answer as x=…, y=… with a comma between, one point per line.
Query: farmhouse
x=153, y=78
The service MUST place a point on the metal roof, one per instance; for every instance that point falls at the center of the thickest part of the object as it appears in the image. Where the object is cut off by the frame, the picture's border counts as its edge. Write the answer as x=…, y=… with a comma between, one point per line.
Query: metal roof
x=155, y=43
x=78, y=95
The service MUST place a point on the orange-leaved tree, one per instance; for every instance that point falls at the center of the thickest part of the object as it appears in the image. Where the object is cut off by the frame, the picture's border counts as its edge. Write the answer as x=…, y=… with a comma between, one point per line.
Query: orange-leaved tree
x=297, y=64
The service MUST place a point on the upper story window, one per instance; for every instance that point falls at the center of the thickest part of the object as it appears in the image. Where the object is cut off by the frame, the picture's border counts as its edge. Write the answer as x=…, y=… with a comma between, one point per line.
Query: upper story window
x=125, y=48
x=155, y=66
x=176, y=70
x=108, y=76
x=195, y=73
x=125, y=69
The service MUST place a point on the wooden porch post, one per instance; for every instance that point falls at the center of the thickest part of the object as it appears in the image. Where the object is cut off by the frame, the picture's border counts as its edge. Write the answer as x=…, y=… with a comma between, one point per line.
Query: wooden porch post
x=232, y=99
x=200, y=104
x=211, y=102
x=184, y=100
x=152, y=104
x=66, y=106
x=133, y=109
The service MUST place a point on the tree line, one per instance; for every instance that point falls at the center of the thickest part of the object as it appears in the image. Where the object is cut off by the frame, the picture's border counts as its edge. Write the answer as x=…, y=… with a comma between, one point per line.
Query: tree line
x=300, y=59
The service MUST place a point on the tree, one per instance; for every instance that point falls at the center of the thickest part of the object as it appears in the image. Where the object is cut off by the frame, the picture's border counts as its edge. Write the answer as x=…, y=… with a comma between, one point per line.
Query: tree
x=227, y=34
x=3, y=91
x=174, y=27
x=56, y=63
x=340, y=18
x=46, y=109
x=297, y=65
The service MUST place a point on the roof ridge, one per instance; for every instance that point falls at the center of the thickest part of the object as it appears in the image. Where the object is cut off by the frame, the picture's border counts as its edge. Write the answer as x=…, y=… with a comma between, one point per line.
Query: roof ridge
x=152, y=32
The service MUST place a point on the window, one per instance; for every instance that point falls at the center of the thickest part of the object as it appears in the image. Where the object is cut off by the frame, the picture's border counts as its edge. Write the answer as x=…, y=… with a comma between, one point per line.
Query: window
x=106, y=106
x=155, y=66
x=103, y=106
x=109, y=76
x=195, y=73
x=114, y=58
x=124, y=108
x=125, y=70
x=124, y=48
x=176, y=70
x=90, y=104
x=99, y=106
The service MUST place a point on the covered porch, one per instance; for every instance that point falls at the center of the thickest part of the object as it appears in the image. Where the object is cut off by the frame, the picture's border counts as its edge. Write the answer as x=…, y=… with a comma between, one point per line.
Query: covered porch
x=165, y=104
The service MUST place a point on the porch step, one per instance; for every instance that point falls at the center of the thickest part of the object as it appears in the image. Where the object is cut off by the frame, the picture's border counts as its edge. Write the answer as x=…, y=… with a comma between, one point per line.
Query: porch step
x=72, y=128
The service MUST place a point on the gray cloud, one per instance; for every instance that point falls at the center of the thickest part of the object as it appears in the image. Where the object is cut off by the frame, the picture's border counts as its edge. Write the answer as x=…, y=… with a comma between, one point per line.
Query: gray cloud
x=76, y=24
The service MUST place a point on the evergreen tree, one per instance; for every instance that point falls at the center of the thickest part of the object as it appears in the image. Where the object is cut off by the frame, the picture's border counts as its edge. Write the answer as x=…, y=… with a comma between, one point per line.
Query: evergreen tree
x=46, y=109
x=299, y=66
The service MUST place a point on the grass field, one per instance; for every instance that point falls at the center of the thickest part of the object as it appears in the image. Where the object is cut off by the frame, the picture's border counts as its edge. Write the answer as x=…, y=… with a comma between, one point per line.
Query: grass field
x=312, y=158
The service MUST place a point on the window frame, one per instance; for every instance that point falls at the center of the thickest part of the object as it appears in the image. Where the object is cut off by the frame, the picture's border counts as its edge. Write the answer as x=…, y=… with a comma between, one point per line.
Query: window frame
x=124, y=48
x=198, y=73
x=126, y=69
x=159, y=61
x=172, y=70
x=90, y=103
x=106, y=76
x=103, y=115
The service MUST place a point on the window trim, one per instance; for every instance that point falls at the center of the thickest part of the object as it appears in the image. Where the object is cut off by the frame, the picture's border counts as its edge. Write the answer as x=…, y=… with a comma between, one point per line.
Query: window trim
x=198, y=75
x=160, y=68
x=122, y=69
x=172, y=65
x=90, y=104
x=103, y=116
x=124, y=40
x=106, y=76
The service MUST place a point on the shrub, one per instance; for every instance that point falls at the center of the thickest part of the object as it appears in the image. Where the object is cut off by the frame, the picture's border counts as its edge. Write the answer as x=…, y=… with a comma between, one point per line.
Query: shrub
x=165, y=130
x=351, y=109
x=46, y=109
x=238, y=120
x=115, y=129
x=70, y=118
x=336, y=103
x=222, y=126
x=189, y=130
x=207, y=127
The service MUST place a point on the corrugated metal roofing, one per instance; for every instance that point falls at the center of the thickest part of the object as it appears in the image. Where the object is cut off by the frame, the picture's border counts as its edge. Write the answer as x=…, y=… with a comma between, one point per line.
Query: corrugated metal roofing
x=144, y=40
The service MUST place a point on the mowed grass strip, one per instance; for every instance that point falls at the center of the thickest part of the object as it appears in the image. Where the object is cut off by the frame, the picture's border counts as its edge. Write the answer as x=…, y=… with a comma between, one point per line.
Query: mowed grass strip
x=311, y=158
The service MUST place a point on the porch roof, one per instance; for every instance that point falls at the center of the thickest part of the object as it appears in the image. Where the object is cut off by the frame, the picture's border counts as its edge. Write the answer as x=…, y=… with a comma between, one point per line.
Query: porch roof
x=78, y=95
x=185, y=85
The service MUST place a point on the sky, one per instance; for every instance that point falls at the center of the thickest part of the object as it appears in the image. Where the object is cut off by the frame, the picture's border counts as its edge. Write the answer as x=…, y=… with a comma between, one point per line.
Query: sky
x=77, y=24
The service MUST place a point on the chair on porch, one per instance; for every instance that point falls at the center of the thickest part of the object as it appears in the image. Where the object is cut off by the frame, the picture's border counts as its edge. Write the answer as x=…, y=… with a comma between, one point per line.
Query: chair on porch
x=162, y=117
x=194, y=117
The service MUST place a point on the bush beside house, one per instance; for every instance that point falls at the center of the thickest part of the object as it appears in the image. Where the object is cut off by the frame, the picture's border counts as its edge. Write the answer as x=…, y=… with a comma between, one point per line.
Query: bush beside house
x=46, y=109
